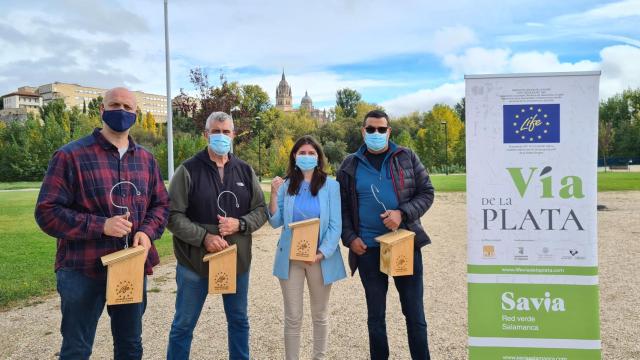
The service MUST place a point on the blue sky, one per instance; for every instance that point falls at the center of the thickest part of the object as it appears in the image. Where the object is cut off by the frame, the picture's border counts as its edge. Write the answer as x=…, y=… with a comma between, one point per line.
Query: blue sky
x=404, y=55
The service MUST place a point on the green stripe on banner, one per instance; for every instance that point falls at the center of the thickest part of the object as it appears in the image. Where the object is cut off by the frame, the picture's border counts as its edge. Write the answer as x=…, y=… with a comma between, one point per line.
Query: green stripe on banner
x=542, y=311
x=532, y=270
x=499, y=353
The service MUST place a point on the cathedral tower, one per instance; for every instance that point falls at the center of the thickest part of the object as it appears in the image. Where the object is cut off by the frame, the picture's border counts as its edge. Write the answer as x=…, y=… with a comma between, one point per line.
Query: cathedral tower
x=283, y=95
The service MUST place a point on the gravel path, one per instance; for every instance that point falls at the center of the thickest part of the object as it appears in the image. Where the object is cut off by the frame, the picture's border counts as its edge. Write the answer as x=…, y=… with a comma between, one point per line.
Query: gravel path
x=31, y=332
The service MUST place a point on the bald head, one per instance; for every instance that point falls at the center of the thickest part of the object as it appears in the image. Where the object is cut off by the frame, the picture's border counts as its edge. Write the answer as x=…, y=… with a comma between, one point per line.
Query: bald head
x=119, y=98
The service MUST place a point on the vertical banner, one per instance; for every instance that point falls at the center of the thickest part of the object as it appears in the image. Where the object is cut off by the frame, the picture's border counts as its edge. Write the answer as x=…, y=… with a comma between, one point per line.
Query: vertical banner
x=532, y=271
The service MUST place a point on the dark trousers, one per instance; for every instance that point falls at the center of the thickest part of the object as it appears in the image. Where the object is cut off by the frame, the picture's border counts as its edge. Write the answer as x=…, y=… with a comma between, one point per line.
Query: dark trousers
x=410, y=289
x=82, y=302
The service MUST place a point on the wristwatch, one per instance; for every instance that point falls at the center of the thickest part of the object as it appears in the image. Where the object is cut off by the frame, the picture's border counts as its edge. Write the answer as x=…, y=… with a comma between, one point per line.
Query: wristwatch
x=243, y=225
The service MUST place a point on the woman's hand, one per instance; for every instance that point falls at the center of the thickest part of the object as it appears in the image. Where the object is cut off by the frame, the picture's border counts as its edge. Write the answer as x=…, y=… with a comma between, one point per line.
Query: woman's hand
x=275, y=186
x=319, y=257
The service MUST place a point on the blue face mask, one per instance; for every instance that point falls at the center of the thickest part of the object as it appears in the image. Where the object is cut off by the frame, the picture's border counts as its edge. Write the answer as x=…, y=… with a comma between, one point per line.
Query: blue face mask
x=118, y=120
x=306, y=162
x=220, y=144
x=375, y=141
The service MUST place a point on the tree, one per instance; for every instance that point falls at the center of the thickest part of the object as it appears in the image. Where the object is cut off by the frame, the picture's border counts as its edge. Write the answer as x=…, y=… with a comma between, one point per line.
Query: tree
x=347, y=101
x=605, y=137
x=94, y=106
x=335, y=151
x=149, y=123
x=460, y=109
x=54, y=109
x=404, y=139
x=220, y=98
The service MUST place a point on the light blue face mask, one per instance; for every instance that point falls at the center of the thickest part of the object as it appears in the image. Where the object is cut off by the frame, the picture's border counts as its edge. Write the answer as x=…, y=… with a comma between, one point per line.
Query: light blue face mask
x=375, y=141
x=306, y=162
x=220, y=144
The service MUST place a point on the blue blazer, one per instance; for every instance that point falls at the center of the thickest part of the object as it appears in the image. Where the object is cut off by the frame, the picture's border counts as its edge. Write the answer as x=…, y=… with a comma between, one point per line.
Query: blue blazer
x=330, y=231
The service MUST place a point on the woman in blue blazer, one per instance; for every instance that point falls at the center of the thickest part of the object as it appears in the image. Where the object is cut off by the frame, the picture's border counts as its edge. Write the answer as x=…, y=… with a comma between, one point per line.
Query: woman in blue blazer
x=307, y=193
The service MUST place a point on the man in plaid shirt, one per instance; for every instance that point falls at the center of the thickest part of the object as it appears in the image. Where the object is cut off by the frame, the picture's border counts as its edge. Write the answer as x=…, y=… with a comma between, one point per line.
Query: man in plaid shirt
x=75, y=207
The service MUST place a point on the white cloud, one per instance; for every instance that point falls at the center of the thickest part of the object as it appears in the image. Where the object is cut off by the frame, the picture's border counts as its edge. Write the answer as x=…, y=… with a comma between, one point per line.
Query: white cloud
x=620, y=69
x=477, y=60
x=606, y=12
x=423, y=100
x=534, y=61
x=451, y=39
x=618, y=64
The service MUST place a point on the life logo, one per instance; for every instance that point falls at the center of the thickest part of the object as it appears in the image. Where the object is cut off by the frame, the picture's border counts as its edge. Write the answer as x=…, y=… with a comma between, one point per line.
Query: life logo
x=531, y=123
x=488, y=252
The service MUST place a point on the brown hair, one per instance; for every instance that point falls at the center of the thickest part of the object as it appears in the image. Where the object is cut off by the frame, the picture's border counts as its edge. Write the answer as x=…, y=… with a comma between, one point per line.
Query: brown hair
x=294, y=174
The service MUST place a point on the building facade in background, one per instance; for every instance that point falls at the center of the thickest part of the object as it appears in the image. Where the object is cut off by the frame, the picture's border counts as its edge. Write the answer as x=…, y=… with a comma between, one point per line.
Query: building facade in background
x=284, y=101
x=17, y=105
x=31, y=99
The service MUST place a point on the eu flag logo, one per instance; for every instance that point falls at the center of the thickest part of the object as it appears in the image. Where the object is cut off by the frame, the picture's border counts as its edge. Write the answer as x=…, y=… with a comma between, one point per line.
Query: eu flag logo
x=531, y=123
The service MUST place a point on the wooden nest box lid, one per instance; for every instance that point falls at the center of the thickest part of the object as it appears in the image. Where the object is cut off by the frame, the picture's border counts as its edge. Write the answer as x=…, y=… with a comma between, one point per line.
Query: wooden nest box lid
x=296, y=224
x=393, y=237
x=121, y=255
x=232, y=248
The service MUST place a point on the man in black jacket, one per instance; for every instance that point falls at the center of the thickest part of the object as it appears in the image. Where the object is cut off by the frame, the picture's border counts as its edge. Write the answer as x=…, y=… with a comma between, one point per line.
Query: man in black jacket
x=216, y=201
x=382, y=175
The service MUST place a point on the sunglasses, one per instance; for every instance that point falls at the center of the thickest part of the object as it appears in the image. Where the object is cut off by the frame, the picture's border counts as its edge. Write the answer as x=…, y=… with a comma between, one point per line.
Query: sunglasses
x=372, y=129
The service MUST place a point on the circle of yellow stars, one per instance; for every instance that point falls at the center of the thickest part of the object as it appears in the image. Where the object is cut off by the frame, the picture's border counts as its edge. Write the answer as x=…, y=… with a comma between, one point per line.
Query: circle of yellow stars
x=523, y=137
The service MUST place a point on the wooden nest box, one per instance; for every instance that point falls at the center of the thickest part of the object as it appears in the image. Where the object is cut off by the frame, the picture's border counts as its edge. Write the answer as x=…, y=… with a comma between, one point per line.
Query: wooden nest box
x=125, y=275
x=222, y=270
x=396, y=252
x=304, y=239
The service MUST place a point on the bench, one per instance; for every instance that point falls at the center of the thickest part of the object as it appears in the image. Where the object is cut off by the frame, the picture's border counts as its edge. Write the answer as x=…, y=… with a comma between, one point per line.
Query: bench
x=619, y=167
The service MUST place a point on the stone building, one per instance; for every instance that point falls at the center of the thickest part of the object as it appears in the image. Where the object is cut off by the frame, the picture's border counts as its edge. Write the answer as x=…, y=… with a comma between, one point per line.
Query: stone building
x=31, y=99
x=284, y=101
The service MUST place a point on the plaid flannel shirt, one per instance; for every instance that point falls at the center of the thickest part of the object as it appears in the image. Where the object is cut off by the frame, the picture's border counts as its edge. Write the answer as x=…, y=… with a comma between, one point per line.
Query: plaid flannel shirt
x=74, y=202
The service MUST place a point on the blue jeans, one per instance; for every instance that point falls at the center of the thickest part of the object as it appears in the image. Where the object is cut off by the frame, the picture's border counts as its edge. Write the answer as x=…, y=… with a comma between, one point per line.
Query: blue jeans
x=82, y=301
x=190, y=297
x=410, y=289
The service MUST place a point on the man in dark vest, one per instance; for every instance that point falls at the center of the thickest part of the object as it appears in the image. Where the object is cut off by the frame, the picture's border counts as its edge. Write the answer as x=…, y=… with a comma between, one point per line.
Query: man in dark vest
x=402, y=184
x=200, y=227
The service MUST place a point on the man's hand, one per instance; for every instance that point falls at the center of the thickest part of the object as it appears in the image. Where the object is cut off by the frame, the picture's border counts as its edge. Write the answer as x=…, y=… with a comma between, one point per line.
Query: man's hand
x=117, y=226
x=141, y=238
x=319, y=257
x=228, y=225
x=392, y=219
x=214, y=243
x=358, y=246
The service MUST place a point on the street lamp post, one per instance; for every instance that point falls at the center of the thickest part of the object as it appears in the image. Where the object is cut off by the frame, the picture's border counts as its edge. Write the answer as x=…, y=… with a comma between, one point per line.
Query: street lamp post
x=446, y=145
x=259, y=150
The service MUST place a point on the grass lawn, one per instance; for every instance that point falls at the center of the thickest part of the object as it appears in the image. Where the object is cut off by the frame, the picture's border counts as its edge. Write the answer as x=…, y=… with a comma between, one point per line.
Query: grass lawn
x=20, y=185
x=27, y=256
x=447, y=183
x=617, y=181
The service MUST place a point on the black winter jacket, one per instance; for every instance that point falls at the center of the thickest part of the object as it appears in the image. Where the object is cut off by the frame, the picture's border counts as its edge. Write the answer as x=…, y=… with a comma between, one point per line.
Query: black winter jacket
x=412, y=187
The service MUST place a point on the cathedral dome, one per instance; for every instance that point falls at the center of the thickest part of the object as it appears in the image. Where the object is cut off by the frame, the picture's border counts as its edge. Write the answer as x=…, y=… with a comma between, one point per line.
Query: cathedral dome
x=306, y=102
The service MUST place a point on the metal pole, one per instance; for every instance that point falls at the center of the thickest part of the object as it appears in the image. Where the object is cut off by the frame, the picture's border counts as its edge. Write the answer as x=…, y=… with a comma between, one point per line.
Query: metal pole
x=446, y=145
x=446, y=149
x=259, y=150
x=169, y=109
